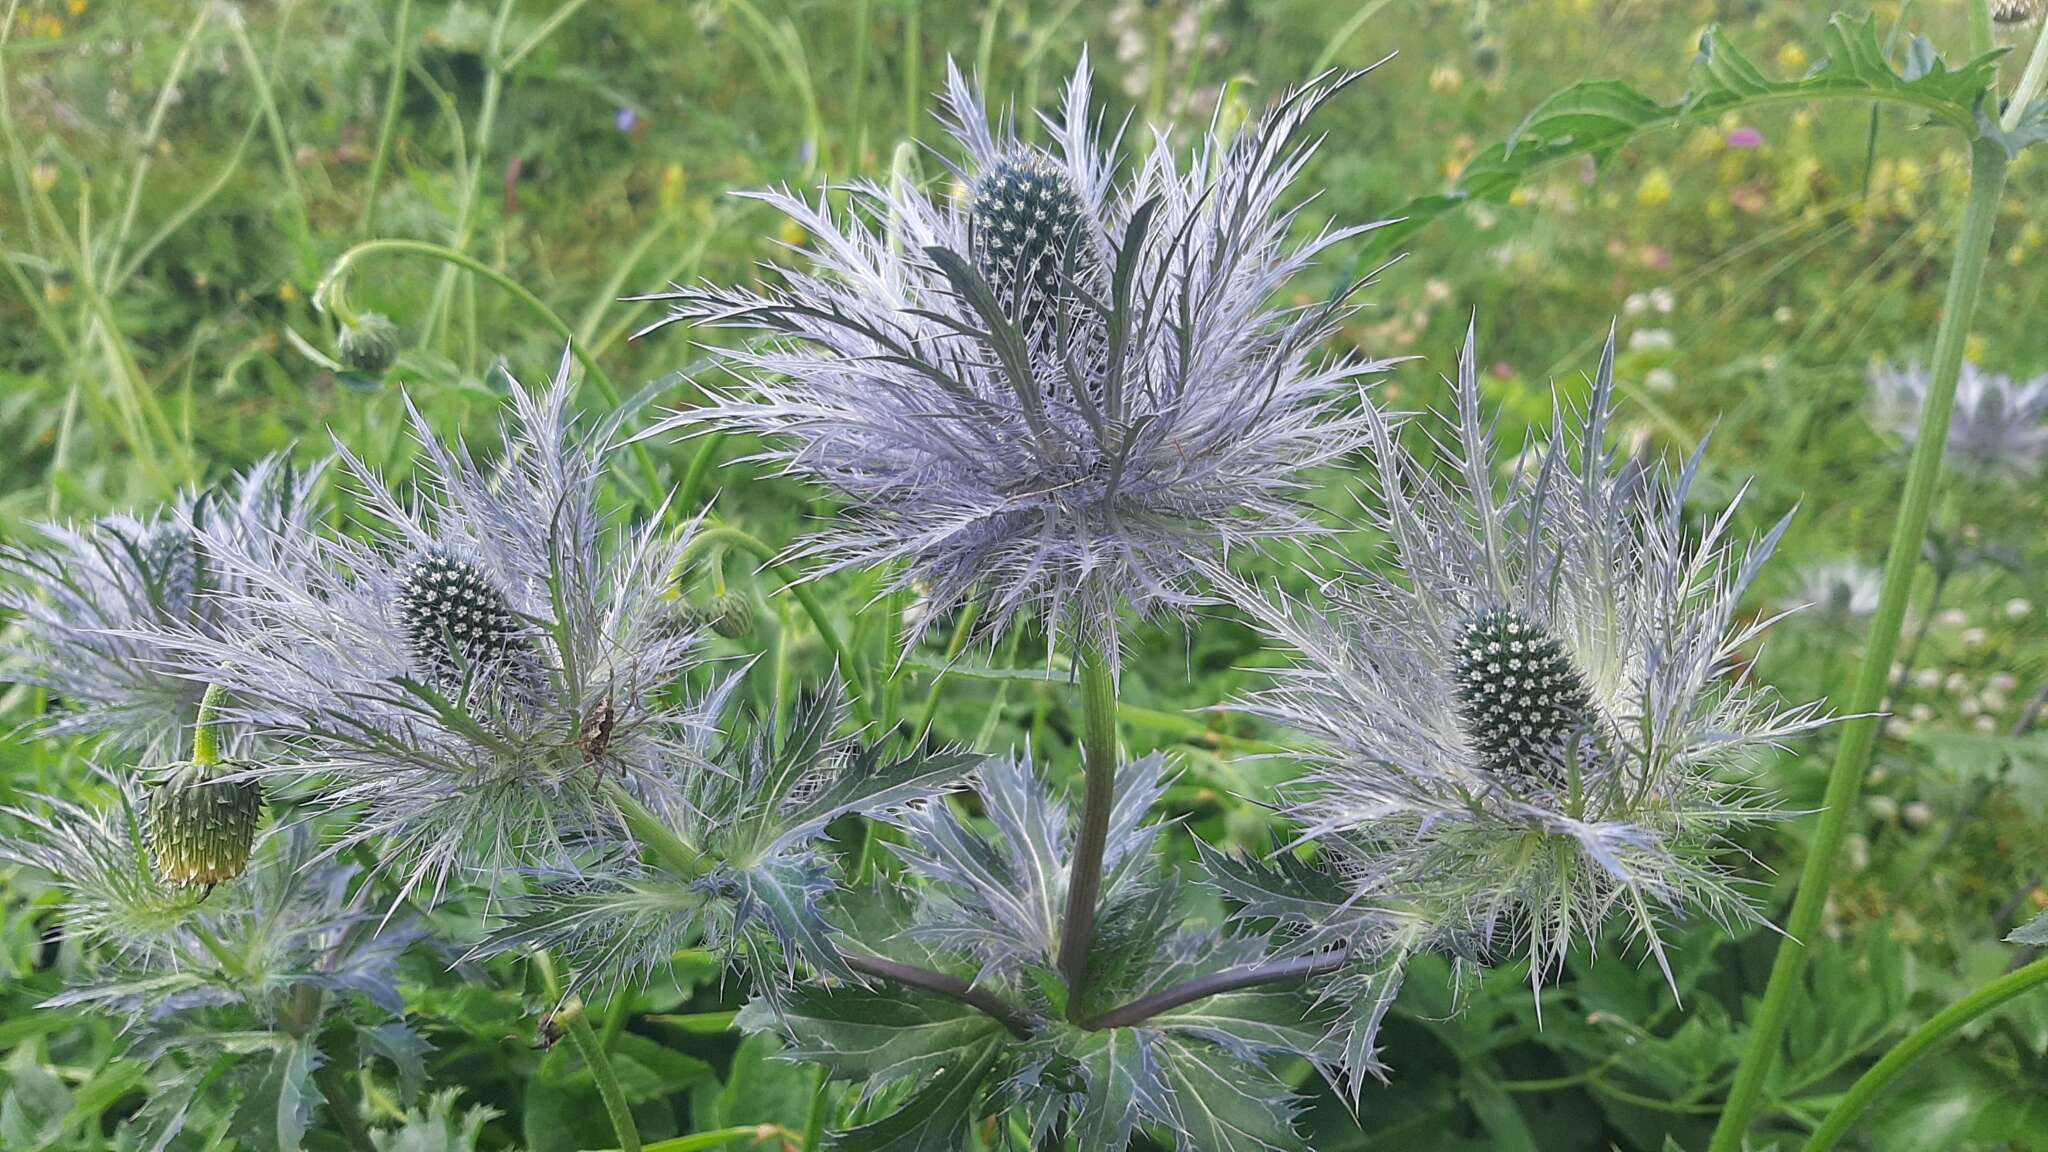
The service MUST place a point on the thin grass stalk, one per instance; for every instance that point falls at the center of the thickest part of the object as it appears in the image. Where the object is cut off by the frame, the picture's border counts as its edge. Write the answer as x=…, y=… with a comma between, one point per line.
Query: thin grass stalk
x=1098, y=762
x=1988, y=167
x=1946, y=1023
x=394, y=92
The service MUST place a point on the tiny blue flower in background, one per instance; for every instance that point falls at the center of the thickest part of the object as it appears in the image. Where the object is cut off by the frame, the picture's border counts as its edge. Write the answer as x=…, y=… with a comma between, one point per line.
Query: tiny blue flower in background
x=1999, y=427
x=627, y=118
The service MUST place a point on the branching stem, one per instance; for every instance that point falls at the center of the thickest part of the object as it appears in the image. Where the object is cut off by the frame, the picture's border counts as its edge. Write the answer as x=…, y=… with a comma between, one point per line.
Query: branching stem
x=941, y=984
x=1216, y=983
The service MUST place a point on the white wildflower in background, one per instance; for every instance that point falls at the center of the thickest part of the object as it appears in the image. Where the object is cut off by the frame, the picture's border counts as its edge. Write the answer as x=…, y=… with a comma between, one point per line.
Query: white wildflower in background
x=1060, y=391
x=1538, y=718
x=1999, y=429
x=85, y=598
x=1839, y=591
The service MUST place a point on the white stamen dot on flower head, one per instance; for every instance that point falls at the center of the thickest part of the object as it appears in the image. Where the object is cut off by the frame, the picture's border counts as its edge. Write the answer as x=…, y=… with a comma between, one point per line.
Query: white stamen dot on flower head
x=1522, y=709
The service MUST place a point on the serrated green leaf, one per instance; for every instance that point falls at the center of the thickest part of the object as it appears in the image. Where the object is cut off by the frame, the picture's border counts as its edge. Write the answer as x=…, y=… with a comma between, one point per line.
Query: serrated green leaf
x=1122, y=1080
x=881, y=1033
x=1596, y=117
x=1225, y=1104
x=296, y=1095
x=1257, y=1020
x=936, y=1118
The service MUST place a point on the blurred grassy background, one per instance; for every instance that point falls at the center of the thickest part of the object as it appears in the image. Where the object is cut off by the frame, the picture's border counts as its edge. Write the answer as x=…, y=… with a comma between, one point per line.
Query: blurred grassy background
x=182, y=175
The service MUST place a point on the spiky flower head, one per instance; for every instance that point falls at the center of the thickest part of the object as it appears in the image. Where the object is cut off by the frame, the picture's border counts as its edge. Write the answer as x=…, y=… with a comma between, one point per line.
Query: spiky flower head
x=1060, y=390
x=200, y=821
x=474, y=679
x=87, y=598
x=1838, y=591
x=370, y=345
x=1535, y=718
x=1998, y=429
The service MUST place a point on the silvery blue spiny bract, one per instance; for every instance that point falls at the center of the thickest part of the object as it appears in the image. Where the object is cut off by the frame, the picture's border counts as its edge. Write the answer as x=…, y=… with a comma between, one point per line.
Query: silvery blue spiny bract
x=87, y=599
x=474, y=679
x=1537, y=717
x=1059, y=388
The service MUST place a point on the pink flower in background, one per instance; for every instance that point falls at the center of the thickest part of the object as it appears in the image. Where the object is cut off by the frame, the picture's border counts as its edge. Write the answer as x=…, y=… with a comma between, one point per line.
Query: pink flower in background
x=1745, y=138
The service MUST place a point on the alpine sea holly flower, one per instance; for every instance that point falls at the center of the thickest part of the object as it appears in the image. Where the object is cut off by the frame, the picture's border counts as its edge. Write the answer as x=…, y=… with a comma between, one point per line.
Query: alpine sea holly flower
x=87, y=600
x=1536, y=718
x=478, y=678
x=1060, y=390
x=1998, y=429
x=1174, y=1039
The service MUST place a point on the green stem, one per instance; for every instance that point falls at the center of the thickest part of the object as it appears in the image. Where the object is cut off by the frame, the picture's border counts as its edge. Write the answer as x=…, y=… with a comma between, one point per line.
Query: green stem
x=1098, y=762
x=596, y=374
x=700, y=467
x=206, y=729
x=1988, y=167
x=657, y=837
x=725, y=535
x=394, y=91
x=2030, y=83
x=341, y=1105
x=1871, y=1084
x=585, y=1039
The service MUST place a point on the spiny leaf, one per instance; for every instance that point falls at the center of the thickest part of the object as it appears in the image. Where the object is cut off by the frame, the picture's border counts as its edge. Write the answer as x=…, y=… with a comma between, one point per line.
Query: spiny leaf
x=883, y=1033
x=935, y=1119
x=1224, y=1104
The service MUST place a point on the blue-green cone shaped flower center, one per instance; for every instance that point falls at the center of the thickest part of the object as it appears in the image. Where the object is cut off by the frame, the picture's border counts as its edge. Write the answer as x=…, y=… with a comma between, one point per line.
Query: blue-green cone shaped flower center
x=459, y=627
x=1518, y=693
x=1029, y=238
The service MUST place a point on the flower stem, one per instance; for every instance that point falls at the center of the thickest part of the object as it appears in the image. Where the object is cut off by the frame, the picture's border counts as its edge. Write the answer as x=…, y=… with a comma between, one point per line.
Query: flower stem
x=1098, y=762
x=1989, y=163
x=342, y=1106
x=657, y=837
x=206, y=729
x=1216, y=983
x=584, y=1038
x=942, y=984
x=1866, y=1090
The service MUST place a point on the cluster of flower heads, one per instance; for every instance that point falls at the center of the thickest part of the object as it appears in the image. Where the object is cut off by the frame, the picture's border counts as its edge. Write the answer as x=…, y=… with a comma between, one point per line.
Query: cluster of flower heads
x=1535, y=716
x=1998, y=429
x=1058, y=390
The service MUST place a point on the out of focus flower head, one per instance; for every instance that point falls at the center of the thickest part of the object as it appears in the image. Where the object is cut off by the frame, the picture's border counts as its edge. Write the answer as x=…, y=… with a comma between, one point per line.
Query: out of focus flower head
x=1997, y=430
x=87, y=597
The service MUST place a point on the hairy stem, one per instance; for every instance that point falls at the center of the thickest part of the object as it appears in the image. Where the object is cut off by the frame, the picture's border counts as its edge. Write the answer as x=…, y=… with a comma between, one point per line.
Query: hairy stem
x=1988, y=166
x=592, y=1053
x=1098, y=762
x=940, y=984
x=1216, y=983
x=1945, y=1023
x=206, y=729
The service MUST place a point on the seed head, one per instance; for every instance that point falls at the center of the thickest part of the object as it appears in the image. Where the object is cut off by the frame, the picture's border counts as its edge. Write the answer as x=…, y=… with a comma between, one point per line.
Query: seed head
x=1518, y=693
x=370, y=344
x=2014, y=11
x=459, y=626
x=201, y=825
x=1028, y=237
